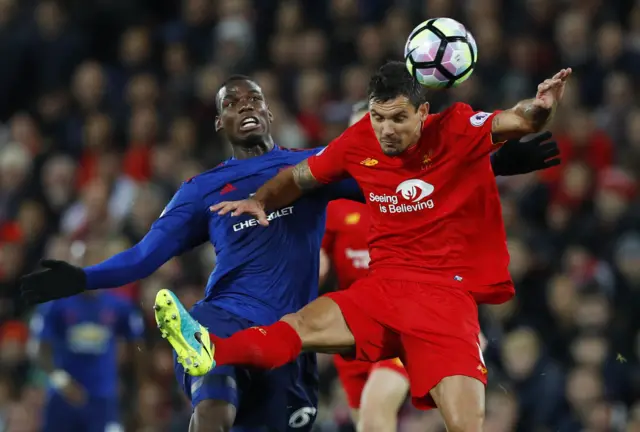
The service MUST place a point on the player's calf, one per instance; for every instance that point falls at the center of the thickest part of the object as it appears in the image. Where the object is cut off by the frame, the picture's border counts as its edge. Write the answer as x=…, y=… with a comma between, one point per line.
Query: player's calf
x=460, y=400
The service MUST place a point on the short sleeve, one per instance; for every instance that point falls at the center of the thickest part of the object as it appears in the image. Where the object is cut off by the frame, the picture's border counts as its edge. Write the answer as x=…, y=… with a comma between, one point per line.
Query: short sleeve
x=470, y=129
x=329, y=164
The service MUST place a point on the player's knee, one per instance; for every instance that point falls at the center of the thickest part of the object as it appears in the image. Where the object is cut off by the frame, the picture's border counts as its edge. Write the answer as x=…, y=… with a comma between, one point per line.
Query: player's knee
x=321, y=324
x=305, y=324
x=382, y=420
x=295, y=320
x=469, y=421
x=464, y=417
x=213, y=416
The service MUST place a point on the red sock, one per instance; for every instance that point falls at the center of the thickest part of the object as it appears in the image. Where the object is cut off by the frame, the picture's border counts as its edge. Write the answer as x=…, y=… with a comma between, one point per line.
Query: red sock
x=265, y=347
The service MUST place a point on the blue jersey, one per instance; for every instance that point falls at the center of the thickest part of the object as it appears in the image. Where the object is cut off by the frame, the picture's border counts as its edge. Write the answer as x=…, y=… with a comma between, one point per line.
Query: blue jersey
x=83, y=331
x=260, y=273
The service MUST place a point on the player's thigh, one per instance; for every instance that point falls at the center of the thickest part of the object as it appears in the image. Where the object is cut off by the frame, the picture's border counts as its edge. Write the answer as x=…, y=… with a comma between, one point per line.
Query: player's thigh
x=58, y=412
x=382, y=397
x=303, y=395
x=432, y=361
x=214, y=397
x=286, y=398
x=339, y=323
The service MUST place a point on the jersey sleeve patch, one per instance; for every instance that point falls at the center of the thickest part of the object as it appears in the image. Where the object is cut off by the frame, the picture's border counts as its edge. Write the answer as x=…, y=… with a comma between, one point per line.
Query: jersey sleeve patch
x=479, y=118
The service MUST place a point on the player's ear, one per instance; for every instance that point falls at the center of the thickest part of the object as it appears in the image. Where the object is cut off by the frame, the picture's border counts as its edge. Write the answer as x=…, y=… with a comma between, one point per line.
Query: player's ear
x=270, y=114
x=423, y=111
x=218, y=124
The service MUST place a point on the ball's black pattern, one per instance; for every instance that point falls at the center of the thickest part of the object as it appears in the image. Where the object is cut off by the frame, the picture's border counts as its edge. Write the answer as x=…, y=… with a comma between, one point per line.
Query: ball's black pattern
x=437, y=63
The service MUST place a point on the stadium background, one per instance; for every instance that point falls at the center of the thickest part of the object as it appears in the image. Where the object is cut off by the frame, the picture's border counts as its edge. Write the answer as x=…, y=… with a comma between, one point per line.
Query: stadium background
x=106, y=106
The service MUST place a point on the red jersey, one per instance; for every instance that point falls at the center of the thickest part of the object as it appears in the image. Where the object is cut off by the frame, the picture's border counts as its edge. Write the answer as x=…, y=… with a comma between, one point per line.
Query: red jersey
x=435, y=210
x=345, y=240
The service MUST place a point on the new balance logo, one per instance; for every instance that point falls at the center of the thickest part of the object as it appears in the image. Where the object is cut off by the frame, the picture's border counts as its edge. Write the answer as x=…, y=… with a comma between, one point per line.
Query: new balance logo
x=369, y=162
x=227, y=188
x=260, y=329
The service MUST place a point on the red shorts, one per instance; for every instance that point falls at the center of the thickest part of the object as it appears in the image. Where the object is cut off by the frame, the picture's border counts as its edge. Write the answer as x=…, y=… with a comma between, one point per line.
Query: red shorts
x=434, y=330
x=354, y=374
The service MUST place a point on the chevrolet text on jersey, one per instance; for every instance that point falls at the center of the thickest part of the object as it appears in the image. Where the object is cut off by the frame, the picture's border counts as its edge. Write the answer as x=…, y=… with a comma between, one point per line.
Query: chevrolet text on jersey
x=254, y=222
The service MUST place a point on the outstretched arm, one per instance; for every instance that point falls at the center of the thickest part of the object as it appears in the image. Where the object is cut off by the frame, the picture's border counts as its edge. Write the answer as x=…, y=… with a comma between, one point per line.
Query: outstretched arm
x=180, y=227
x=530, y=115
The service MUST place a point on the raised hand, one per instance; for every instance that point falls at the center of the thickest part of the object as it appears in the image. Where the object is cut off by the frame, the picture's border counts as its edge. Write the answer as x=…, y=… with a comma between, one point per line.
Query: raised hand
x=58, y=279
x=237, y=208
x=551, y=90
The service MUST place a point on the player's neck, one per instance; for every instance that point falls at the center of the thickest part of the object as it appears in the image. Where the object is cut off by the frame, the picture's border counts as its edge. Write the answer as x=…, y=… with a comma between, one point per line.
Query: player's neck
x=242, y=152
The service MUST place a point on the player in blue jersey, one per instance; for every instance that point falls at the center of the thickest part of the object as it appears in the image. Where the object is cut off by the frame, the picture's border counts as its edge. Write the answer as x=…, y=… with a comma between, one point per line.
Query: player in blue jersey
x=260, y=275
x=76, y=343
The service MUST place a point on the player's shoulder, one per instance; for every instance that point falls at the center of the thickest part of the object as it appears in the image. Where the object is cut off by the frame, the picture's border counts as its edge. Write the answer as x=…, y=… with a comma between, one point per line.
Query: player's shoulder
x=218, y=177
x=298, y=155
x=361, y=128
x=461, y=113
x=218, y=172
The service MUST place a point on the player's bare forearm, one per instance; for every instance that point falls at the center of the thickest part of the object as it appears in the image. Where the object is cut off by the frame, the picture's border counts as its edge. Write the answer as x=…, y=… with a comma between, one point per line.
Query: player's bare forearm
x=303, y=177
x=286, y=187
x=523, y=119
x=536, y=116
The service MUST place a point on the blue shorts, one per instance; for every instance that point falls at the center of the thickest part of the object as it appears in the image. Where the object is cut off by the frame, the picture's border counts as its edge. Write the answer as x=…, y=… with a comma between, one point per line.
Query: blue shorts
x=283, y=399
x=97, y=415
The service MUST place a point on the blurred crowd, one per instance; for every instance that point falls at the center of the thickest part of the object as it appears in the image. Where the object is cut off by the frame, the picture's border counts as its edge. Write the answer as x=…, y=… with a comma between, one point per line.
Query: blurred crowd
x=106, y=106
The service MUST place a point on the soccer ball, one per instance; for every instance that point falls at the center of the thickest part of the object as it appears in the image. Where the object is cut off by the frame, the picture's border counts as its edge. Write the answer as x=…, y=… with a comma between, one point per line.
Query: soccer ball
x=440, y=53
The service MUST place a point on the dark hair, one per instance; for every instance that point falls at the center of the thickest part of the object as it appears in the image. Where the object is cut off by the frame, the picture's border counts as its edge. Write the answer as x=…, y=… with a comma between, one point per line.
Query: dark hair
x=393, y=80
x=236, y=77
x=359, y=106
x=226, y=82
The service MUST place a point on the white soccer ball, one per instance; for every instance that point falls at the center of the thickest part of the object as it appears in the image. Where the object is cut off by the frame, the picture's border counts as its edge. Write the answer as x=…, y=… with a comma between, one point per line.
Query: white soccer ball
x=440, y=53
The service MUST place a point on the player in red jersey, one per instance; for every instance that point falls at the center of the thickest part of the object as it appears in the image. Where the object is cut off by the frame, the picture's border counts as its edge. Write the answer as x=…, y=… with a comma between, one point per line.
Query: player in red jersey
x=375, y=391
x=436, y=242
